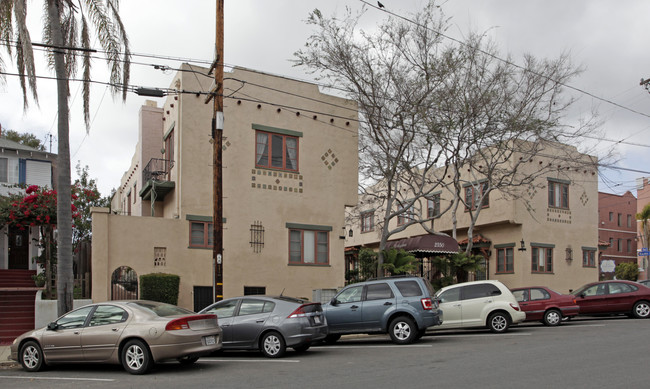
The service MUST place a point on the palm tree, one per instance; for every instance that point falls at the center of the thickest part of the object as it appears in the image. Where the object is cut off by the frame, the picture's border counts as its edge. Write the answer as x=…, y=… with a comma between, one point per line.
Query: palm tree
x=644, y=217
x=67, y=36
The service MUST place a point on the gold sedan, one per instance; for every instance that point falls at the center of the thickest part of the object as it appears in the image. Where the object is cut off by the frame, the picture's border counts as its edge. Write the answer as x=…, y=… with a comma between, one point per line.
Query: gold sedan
x=135, y=334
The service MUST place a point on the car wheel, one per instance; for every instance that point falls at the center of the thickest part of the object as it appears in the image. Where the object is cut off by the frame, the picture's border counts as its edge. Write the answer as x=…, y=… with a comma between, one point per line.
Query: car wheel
x=552, y=317
x=272, y=345
x=31, y=356
x=187, y=360
x=135, y=357
x=302, y=348
x=332, y=338
x=402, y=330
x=641, y=310
x=498, y=322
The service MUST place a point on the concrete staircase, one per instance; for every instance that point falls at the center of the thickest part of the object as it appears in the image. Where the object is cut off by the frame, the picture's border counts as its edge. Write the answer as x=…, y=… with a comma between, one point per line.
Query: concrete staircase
x=17, y=294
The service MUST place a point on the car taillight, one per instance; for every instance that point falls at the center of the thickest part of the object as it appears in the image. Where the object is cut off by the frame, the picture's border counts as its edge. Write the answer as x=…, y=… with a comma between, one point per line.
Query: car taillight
x=183, y=323
x=515, y=306
x=427, y=304
x=299, y=312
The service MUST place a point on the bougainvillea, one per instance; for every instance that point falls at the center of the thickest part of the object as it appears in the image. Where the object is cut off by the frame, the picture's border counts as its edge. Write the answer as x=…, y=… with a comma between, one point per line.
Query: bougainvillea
x=36, y=208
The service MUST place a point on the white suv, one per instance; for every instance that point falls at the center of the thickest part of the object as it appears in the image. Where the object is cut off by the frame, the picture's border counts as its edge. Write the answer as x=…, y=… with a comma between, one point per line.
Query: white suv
x=479, y=304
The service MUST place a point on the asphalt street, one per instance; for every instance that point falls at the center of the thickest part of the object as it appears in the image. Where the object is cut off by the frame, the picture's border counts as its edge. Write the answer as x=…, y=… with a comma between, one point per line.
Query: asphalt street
x=583, y=353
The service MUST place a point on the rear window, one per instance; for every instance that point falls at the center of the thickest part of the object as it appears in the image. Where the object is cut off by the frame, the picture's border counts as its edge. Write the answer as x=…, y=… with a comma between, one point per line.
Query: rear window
x=379, y=291
x=480, y=290
x=409, y=288
x=161, y=309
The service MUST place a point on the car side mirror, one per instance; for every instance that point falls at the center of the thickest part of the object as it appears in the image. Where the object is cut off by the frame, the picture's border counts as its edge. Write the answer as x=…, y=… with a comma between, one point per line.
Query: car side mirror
x=333, y=301
x=52, y=326
x=582, y=295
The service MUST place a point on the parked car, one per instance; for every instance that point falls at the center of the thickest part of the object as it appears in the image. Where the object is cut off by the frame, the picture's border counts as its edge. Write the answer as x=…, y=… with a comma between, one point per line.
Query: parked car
x=479, y=304
x=135, y=333
x=546, y=305
x=614, y=297
x=269, y=324
x=644, y=282
x=400, y=306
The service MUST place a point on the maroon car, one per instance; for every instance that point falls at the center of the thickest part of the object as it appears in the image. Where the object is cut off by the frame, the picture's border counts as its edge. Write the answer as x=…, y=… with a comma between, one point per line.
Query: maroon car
x=614, y=297
x=543, y=304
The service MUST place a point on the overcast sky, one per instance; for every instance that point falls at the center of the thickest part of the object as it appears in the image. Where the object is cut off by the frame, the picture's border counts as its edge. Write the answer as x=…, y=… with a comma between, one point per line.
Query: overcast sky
x=609, y=39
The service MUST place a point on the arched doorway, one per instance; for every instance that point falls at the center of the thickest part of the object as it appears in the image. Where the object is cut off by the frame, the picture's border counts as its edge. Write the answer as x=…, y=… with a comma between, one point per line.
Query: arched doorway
x=124, y=284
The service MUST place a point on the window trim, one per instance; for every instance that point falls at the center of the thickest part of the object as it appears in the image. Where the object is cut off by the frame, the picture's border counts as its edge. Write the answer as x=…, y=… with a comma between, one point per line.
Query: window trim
x=367, y=226
x=556, y=187
x=505, y=250
x=589, y=257
x=206, y=222
x=285, y=134
x=535, y=247
x=302, y=228
x=485, y=201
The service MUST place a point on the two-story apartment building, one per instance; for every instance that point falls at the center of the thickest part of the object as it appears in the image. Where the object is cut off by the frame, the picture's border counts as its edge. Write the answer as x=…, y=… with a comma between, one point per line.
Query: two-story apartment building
x=20, y=164
x=290, y=167
x=543, y=235
x=616, y=227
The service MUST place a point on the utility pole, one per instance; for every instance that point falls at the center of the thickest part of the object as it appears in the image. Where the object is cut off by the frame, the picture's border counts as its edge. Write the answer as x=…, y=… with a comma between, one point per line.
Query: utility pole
x=217, y=138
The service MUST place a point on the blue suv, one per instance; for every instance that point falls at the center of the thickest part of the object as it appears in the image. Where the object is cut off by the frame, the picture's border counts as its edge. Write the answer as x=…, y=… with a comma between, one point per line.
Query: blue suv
x=403, y=307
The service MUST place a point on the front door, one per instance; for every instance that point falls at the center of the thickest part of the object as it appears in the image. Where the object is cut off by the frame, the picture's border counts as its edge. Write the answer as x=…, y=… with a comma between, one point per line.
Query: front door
x=18, y=248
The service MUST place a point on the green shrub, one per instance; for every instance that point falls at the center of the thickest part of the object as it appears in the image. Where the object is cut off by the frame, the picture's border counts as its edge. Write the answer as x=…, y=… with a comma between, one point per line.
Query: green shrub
x=160, y=287
x=627, y=271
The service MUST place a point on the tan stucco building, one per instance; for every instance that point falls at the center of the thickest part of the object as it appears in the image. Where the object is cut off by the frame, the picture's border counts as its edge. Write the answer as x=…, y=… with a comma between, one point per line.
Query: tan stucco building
x=290, y=167
x=554, y=219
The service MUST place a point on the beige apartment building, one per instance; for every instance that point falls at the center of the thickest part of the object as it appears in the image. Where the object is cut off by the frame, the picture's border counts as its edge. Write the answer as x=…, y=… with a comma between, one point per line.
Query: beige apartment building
x=290, y=167
x=545, y=235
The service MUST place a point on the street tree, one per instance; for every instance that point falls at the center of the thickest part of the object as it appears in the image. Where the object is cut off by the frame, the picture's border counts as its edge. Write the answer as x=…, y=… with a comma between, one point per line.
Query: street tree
x=440, y=115
x=392, y=74
x=85, y=196
x=498, y=117
x=68, y=27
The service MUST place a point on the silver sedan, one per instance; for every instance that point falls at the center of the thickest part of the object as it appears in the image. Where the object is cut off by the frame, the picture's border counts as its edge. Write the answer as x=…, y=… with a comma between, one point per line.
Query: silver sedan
x=269, y=324
x=136, y=334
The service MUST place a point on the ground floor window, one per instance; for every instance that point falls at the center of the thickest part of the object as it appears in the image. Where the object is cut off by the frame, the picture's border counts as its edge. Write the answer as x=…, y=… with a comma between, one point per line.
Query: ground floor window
x=588, y=257
x=308, y=244
x=542, y=259
x=505, y=260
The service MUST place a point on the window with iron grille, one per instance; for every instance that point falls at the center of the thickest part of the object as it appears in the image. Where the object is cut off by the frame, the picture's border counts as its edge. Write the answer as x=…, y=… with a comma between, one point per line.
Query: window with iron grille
x=257, y=236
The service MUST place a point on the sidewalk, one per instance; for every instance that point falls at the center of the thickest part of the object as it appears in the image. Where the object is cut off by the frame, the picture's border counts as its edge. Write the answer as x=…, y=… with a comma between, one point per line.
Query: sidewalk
x=4, y=355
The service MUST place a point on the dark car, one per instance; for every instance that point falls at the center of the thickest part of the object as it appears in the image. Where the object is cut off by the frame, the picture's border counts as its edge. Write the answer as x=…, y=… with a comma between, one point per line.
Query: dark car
x=546, y=305
x=403, y=307
x=269, y=324
x=614, y=297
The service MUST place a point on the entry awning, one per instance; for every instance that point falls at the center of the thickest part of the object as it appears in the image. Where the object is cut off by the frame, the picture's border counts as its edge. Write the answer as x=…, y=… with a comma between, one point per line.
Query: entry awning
x=426, y=244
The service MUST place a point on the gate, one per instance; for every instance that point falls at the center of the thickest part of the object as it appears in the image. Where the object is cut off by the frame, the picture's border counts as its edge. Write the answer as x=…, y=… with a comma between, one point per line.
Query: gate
x=202, y=297
x=124, y=284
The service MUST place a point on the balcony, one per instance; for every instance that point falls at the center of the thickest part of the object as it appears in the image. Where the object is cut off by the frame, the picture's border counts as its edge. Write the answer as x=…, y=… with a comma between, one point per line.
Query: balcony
x=156, y=179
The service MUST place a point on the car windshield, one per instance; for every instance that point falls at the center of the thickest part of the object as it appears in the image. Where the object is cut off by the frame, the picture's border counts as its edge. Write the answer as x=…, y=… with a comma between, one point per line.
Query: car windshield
x=161, y=309
x=580, y=290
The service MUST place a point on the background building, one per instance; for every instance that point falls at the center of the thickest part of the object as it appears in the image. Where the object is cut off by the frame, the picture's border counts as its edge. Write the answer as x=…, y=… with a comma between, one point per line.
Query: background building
x=617, y=227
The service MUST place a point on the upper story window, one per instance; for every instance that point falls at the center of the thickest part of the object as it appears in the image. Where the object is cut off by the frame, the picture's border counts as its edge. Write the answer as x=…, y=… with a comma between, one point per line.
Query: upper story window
x=367, y=221
x=558, y=194
x=476, y=195
x=276, y=151
x=433, y=206
x=620, y=217
x=406, y=216
x=629, y=221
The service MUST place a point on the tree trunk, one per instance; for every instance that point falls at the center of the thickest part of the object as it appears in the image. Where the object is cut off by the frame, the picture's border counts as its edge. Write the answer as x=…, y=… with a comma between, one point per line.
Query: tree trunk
x=64, y=282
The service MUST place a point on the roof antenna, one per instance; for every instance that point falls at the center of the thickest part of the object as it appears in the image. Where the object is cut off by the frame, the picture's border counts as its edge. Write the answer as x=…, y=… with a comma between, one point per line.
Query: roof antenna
x=281, y=293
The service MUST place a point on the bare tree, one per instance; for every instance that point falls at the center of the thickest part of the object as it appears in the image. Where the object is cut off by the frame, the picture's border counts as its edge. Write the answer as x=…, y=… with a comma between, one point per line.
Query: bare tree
x=393, y=74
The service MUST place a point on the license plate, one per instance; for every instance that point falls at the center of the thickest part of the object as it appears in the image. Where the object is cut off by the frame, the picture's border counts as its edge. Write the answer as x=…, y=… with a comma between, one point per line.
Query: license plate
x=210, y=340
x=317, y=319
